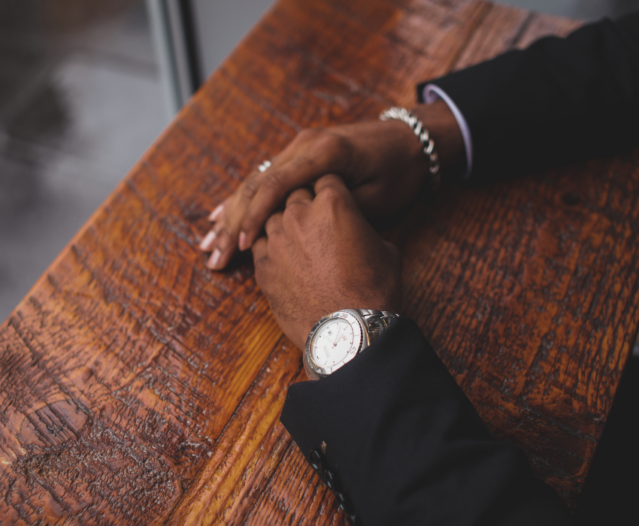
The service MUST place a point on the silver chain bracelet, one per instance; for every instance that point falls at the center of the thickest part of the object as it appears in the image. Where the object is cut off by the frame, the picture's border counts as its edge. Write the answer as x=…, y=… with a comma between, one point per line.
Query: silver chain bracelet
x=428, y=146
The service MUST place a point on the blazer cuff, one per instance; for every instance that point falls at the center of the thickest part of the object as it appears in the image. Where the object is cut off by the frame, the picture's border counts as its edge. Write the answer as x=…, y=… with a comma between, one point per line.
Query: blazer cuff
x=396, y=438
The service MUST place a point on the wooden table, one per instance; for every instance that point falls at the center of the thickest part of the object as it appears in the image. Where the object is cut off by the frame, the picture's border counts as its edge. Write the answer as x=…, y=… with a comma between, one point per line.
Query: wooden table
x=137, y=387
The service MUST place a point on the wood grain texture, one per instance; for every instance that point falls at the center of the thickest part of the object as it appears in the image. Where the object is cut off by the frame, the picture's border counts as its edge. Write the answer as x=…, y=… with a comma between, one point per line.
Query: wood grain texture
x=137, y=387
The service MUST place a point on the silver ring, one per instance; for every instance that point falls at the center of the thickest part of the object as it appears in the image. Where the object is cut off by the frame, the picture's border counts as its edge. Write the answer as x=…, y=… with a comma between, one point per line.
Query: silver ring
x=264, y=166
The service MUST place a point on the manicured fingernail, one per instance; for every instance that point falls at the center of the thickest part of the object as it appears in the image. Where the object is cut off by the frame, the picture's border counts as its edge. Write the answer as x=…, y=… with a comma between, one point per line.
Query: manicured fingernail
x=215, y=257
x=216, y=213
x=208, y=241
x=242, y=241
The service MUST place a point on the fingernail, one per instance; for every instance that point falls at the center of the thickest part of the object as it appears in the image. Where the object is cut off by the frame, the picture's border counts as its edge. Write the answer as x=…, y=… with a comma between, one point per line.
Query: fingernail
x=242, y=241
x=216, y=213
x=215, y=257
x=207, y=241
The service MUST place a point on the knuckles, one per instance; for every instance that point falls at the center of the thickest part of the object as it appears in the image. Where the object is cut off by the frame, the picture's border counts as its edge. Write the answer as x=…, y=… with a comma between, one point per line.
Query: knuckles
x=332, y=195
x=295, y=213
x=304, y=219
x=273, y=225
x=272, y=181
x=334, y=146
x=332, y=198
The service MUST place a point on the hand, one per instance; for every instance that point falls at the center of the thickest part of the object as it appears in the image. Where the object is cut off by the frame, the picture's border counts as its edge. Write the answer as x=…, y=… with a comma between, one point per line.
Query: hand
x=321, y=255
x=381, y=162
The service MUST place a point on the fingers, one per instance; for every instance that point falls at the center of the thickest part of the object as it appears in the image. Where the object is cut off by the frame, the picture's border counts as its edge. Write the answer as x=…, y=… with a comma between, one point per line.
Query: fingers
x=274, y=187
x=301, y=195
x=274, y=224
x=220, y=240
x=206, y=244
x=215, y=215
x=312, y=154
x=259, y=251
x=225, y=236
x=240, y=219
x=214, y=262
x=331, y=181
x=331, y=190
x=210, y=240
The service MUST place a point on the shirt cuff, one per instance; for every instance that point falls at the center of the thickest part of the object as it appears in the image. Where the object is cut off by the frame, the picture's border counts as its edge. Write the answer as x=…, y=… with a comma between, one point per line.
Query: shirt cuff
x=432, y=93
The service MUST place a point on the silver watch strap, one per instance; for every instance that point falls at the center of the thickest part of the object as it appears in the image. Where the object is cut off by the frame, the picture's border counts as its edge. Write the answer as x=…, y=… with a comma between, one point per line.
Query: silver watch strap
x=376, y=321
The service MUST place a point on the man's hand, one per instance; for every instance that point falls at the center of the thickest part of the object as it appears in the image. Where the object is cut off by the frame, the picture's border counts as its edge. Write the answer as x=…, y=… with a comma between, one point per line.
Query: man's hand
x=381, y=162
x=321, y=255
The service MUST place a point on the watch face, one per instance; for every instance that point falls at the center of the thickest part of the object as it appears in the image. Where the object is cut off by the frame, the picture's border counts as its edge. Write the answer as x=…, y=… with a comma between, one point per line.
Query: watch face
x=335, y=342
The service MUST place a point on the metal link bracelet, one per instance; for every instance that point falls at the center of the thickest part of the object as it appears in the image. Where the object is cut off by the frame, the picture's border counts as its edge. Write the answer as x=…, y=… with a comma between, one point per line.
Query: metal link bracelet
x=376, y=321
x=428, y=146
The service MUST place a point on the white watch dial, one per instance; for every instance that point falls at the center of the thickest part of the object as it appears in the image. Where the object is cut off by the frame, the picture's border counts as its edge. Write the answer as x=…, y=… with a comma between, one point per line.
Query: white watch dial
x=336, y=342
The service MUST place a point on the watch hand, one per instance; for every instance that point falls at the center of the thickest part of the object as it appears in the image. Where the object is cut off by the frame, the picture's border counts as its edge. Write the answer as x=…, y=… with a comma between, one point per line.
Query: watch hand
x=337, y=337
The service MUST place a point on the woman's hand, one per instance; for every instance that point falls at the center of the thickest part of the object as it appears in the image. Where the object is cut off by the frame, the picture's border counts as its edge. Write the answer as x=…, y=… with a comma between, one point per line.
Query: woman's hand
x=381, y=163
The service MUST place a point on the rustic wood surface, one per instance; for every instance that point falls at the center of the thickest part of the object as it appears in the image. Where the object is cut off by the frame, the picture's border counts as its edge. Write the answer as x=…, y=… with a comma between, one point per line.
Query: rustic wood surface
x=137, y=387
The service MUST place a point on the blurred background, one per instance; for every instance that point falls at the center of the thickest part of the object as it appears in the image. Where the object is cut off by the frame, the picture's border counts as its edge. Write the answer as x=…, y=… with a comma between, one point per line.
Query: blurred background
x=86, y=87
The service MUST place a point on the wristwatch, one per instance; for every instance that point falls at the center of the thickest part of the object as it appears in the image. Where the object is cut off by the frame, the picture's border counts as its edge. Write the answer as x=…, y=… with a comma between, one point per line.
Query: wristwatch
x=340, y=336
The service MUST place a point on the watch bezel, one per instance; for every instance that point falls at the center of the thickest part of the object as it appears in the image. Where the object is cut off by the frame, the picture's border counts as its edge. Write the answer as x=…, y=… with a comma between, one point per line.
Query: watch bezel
x=313, y=370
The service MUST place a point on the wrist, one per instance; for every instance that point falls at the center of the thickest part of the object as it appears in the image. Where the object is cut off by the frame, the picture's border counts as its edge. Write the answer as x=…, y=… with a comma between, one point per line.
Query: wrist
x=440, y=122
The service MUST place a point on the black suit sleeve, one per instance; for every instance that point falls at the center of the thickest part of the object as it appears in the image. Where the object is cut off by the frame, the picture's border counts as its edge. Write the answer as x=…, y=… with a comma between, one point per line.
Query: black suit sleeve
x=558, y=100
x=400, y=443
